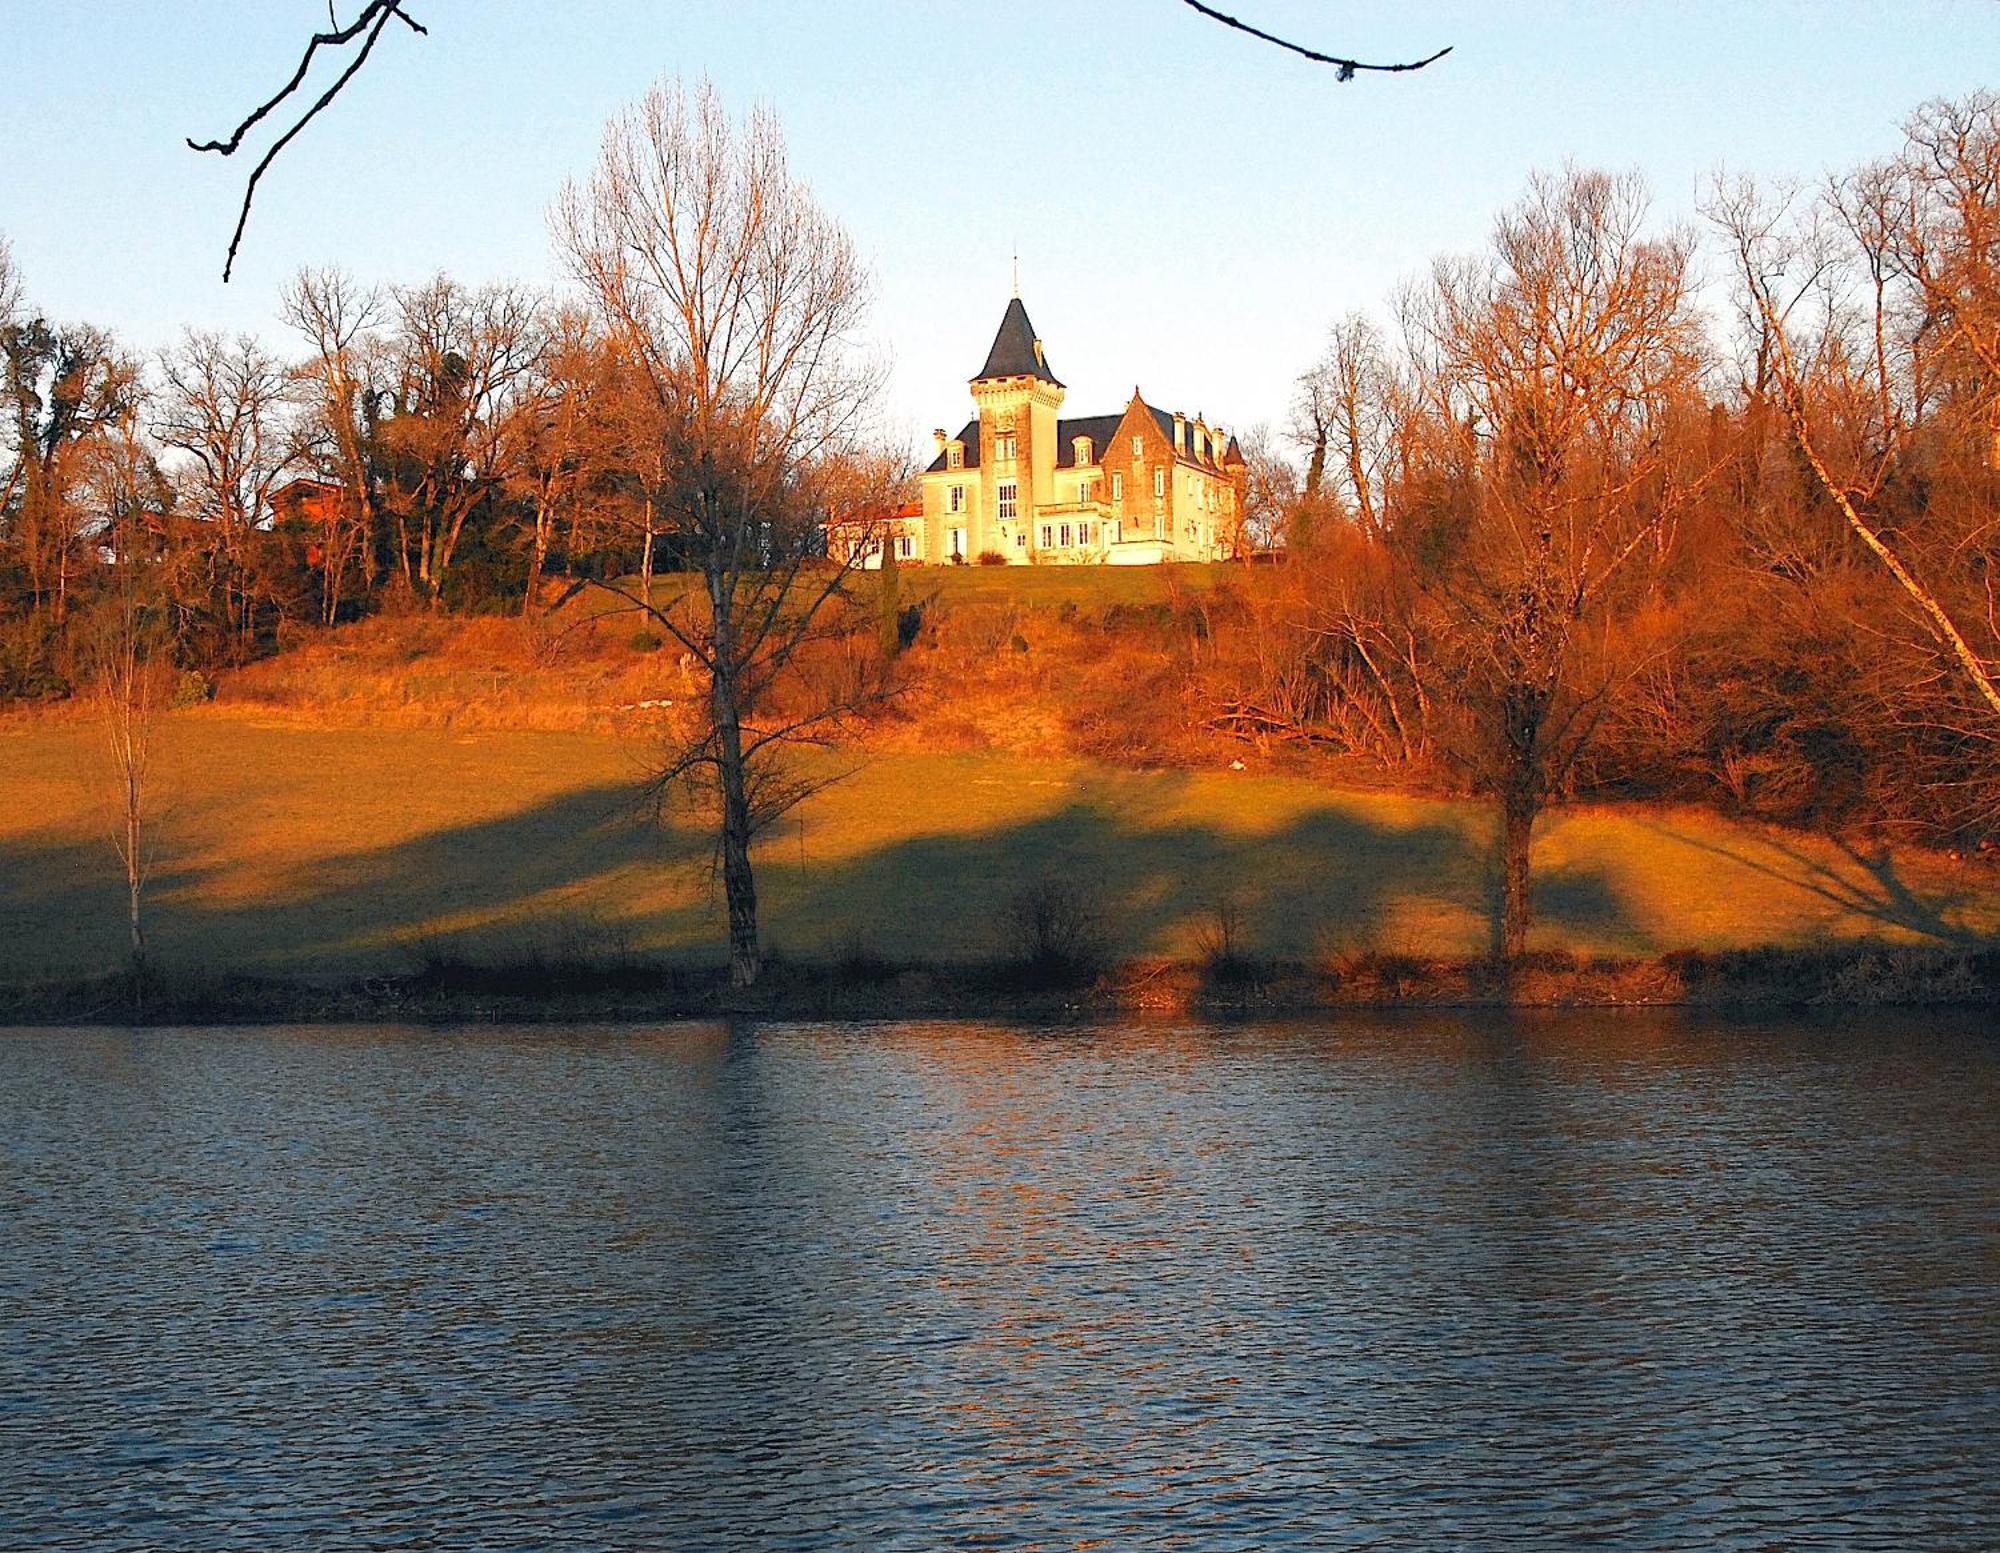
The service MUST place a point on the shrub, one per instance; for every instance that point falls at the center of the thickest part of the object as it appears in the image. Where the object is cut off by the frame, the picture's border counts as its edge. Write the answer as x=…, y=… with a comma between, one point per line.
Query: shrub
x=1019, y=643
x=1055, y=933
x=992, y=558
x=191, y=688
x=645, y=641
x=1220, y=944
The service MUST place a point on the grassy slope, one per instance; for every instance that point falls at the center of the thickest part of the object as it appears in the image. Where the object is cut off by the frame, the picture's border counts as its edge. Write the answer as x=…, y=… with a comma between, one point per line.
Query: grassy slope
x=301, y=849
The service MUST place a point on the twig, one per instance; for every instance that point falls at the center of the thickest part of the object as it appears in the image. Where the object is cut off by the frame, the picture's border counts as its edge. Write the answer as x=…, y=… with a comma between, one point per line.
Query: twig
x=374, y=17
x=1346, y=67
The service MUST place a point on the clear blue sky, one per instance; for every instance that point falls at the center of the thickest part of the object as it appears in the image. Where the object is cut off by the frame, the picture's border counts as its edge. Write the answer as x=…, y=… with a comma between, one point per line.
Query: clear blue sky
x=1191, y=207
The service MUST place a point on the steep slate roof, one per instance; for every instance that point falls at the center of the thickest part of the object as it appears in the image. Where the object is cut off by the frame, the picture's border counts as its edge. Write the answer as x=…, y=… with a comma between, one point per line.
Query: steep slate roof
x=970, y=437
x=1014, y=353
x=1164, y=419
x=1099, y=428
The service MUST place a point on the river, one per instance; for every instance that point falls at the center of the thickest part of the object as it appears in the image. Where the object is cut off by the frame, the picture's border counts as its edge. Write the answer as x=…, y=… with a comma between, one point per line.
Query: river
x=1423, y=1281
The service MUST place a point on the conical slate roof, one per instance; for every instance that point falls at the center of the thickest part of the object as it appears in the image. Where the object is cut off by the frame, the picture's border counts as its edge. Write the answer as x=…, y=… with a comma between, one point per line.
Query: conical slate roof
x=1016, y=352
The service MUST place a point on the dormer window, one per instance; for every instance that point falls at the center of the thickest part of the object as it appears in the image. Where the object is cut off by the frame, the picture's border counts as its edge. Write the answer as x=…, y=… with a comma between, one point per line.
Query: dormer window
x=954, y=456
x=1082, y=450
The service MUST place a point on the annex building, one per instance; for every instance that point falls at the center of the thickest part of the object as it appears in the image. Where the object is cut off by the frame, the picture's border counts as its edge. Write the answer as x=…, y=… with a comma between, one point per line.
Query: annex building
x=1022, y=483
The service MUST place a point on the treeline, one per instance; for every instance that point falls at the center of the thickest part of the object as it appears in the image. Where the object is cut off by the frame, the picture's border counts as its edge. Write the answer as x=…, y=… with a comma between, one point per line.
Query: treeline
x=436, y=445
x=1561, y=529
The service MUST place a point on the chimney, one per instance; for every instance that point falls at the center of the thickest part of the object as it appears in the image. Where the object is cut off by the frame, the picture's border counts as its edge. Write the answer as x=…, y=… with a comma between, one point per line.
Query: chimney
x=941, y=438
x=1180, y=432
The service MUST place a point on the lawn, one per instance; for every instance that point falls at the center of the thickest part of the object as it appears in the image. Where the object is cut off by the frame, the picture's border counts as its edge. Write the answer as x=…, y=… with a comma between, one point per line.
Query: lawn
x=298, y=850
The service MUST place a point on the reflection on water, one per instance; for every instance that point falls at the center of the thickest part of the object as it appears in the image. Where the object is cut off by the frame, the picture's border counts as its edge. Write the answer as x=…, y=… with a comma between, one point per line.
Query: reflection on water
x=1412, y=1283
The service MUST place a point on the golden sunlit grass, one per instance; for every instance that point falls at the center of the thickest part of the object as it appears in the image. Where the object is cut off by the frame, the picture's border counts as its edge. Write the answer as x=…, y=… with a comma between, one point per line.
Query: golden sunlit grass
x=299, y=850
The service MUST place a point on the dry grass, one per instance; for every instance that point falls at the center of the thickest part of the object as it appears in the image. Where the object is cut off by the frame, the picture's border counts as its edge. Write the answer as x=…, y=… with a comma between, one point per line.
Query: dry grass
x=299, y=849
x=420, y=671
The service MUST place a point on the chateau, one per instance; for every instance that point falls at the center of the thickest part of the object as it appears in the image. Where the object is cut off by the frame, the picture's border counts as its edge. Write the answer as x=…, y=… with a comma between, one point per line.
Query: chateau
x=1020, y=483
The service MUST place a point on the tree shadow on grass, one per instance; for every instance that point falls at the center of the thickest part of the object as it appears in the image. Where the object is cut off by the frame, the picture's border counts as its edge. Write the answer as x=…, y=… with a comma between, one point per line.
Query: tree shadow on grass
x=1329, y=877
x=1871, y=888
x=62, y=901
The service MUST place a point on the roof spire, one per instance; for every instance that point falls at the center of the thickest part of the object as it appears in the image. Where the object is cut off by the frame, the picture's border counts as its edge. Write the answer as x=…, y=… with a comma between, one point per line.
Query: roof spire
x=1016, y=349
x=1017, y=272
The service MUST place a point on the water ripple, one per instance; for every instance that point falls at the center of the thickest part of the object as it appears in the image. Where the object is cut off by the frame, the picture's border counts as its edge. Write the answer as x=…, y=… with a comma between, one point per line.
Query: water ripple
x=1414, y=1283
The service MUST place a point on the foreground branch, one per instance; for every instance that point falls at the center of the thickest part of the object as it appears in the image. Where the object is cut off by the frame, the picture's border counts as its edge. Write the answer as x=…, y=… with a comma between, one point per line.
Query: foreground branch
x=374, y=17
x=1346, y=67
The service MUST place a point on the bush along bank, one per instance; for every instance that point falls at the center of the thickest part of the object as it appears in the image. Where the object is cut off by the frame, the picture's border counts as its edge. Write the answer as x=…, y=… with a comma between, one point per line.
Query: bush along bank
x=444, y=990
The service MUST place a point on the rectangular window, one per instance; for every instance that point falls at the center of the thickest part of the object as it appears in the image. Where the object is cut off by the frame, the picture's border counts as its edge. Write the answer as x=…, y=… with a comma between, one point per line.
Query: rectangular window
x=1138, y=447
x=954, y=457
x=1048, y=535
x=1065, y=535
x=1159, y=480
x=1003, y=447
x=1083, y=533
x=957, y=500
x=1020, y=541
x=906, y=545
x=1007, y=490
x=1118, y=487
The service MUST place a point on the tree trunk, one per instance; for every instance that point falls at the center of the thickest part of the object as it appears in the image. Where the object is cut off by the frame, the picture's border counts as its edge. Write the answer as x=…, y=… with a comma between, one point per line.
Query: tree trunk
x=646, y=555
x=537, y=556
x=1517, y=828
x=1523, y=709
x=1316, y=463
x=739, y=885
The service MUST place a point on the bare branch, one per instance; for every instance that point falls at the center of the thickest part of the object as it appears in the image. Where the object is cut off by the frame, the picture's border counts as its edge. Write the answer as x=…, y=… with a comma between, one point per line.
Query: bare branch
x=1345, y=66
x=374, y=17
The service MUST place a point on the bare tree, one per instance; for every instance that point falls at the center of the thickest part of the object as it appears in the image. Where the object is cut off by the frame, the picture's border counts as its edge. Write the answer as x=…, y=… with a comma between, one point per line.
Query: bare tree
x=1270, y=493
x=224, y=409
x=337, y=319
x=125, y=650
x=1881, y=358
x=552, y=435
x=1556, y=366
x=1358, y=393
x=736, y=299
x=466, y=361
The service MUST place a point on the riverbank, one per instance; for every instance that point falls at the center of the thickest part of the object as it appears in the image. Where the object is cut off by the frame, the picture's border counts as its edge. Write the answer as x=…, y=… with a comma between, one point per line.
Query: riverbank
x=1847, y=976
